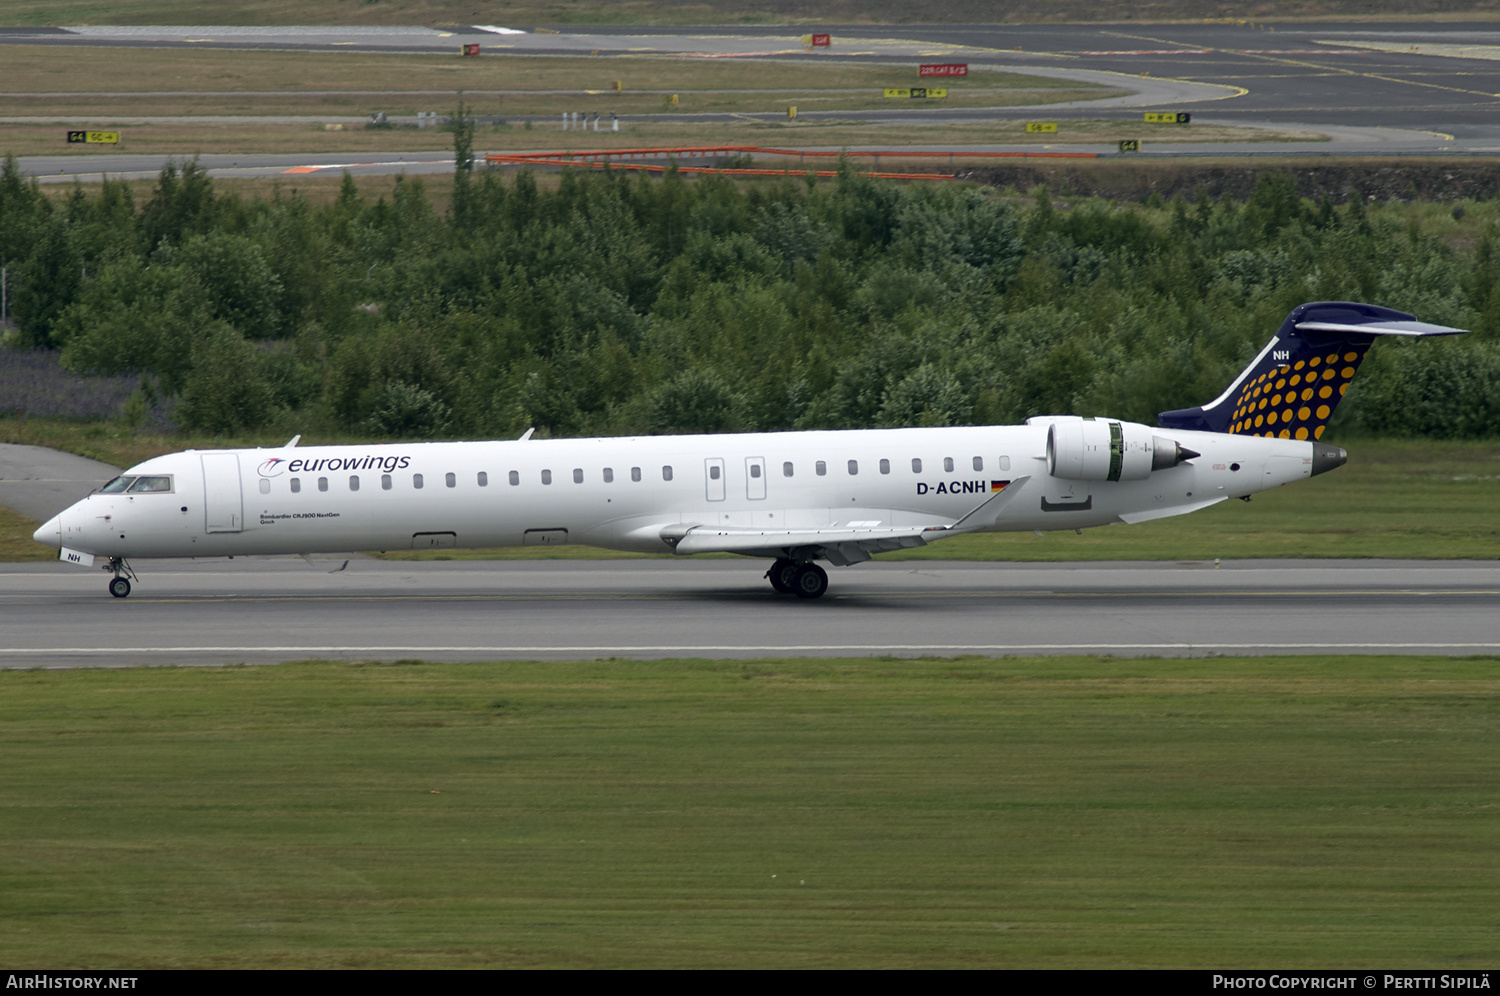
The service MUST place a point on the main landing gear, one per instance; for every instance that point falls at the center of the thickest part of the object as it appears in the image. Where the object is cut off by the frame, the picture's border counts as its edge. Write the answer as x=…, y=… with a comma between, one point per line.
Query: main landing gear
x=119, y=585
x=801, y=578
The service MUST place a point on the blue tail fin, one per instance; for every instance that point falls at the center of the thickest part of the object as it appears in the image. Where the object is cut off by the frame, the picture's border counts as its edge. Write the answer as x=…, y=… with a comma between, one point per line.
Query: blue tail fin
x=1291, y=389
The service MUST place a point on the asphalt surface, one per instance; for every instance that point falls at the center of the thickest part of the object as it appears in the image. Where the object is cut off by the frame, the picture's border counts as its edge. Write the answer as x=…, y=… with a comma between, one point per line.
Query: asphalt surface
x=39, y=482
x=188, y=613
x=1374, y=88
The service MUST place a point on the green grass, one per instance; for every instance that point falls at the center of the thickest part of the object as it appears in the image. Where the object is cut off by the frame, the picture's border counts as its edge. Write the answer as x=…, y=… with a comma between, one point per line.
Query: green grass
x=16, y=544
x=1287, y=813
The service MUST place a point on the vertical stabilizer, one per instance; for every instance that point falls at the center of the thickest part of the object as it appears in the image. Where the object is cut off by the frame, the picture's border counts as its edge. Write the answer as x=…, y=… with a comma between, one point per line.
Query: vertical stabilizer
x=1291, y=389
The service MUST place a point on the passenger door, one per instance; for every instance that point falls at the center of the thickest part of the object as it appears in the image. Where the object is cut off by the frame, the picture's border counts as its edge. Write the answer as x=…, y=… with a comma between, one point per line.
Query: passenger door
x=223, y=505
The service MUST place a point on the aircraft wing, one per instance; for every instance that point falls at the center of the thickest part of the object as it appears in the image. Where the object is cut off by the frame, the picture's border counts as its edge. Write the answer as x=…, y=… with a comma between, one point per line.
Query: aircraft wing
x=839, y=545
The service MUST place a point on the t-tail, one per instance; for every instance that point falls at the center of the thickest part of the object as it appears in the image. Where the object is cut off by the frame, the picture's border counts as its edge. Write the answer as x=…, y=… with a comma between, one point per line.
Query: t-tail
x=1291, y=389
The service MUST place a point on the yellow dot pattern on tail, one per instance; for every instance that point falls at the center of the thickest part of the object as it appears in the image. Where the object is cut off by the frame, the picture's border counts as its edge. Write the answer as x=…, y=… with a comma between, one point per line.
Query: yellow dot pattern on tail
x=1295, y=400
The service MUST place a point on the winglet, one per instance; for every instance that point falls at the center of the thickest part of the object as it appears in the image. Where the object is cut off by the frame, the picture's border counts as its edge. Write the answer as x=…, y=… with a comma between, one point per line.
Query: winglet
x=983, y=515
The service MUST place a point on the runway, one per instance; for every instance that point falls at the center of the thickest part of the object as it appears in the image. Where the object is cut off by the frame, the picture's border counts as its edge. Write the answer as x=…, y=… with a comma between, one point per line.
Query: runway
x=1372, y=88
x=273, y=609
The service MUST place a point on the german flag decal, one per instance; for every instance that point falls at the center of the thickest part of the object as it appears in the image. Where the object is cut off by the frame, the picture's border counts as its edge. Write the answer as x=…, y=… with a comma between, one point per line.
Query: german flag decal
x=997, y=486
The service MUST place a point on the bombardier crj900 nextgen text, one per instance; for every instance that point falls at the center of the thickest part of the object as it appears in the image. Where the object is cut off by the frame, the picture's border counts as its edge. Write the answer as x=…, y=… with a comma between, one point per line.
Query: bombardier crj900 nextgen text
x=792, y=497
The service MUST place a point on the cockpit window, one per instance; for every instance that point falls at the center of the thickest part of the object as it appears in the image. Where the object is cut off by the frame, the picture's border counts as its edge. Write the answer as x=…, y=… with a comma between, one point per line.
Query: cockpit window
x=144, y=484
x=117, y=485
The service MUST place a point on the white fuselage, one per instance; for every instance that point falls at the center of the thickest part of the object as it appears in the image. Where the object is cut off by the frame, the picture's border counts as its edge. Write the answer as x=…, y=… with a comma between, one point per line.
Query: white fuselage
x=622, y=493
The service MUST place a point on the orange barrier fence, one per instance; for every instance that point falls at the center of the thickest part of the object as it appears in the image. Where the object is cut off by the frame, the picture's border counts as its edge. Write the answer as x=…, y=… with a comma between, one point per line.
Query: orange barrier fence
x=620, y=159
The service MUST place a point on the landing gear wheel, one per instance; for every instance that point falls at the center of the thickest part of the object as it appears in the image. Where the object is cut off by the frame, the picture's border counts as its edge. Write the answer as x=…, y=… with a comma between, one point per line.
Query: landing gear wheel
x=780, y=575
x=119, y=587
x=810, y=581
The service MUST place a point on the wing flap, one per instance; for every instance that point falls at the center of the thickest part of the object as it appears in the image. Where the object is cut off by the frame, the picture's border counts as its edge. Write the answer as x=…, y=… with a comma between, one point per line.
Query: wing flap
x=716, y=539
x=1131, y=518
x=840, y=545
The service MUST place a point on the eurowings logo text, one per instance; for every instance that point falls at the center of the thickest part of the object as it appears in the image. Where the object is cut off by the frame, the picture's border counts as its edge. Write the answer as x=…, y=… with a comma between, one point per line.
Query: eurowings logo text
x=276, y=465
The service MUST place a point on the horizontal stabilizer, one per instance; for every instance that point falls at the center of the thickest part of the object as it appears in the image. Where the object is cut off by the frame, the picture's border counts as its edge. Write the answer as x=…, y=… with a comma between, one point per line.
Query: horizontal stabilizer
x=1381, y=328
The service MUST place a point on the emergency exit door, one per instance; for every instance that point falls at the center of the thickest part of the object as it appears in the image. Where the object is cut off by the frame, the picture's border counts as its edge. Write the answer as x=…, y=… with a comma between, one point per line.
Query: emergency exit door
x=755, y=478
x=713, y=478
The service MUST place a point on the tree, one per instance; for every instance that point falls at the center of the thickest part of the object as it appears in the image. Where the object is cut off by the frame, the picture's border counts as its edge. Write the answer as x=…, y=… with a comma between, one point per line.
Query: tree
x=463, y=164
x=241, y=289
x=693, y=401
x=225, y=392
x=46, y=284
x=182, y=204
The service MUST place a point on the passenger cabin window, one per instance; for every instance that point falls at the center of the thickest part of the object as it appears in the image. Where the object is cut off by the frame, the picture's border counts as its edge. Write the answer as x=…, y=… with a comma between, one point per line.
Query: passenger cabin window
x=853, y=467
x=820, y=468
x=322, y=484
x=385, y=482
x=786, y=469
x=755, y=470
x=885, y=466
x=265, y=486
x=948, y=464
x=666, y=473
x=515, y=478
x=635, y=473
x=354, y=482
x=150, y=484
x=577, y=475
x=296, y=484
x=483, y=479
x=979, y=463
x=916, y=465
x=713, y=473
x=609, y=475
x=546, y=477
x=450, y=479
x=416, y=481
x=1005, y=463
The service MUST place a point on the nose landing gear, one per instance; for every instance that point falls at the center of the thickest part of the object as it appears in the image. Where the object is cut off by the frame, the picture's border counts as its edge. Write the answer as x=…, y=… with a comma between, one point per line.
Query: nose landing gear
x=803, y=579
x=119, y=585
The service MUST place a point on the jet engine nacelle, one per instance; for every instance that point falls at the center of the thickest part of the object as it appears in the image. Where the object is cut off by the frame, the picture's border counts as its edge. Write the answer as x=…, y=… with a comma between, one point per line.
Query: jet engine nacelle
x=1086, y=449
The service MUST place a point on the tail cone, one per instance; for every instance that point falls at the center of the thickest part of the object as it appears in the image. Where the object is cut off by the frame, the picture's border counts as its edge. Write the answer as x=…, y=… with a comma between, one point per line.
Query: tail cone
x=1326, y=458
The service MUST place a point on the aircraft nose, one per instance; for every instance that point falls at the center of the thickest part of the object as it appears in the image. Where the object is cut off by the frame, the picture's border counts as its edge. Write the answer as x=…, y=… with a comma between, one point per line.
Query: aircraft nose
x=50, y=532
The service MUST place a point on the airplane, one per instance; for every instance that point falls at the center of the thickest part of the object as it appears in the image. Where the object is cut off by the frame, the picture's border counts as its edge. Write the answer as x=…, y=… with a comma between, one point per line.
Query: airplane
x=794, y=498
